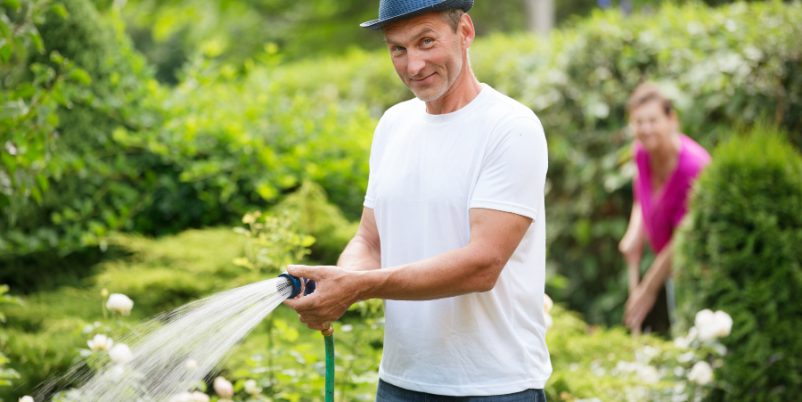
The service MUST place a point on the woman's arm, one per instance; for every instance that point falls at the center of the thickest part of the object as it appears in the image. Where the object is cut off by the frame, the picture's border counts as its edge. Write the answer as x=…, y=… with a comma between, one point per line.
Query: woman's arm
x=642, y=300
x=631, y=246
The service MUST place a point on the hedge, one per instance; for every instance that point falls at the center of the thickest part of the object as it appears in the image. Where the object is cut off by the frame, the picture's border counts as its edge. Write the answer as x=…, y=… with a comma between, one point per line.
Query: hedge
x=739, y=251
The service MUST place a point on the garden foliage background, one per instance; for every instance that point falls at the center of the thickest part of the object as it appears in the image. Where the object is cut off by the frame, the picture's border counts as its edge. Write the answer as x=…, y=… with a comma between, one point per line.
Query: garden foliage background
x=200, y=123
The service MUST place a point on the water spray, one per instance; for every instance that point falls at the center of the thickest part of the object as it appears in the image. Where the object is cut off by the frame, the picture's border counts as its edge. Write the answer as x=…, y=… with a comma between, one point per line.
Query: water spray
x=172, y=352
x=292, y=287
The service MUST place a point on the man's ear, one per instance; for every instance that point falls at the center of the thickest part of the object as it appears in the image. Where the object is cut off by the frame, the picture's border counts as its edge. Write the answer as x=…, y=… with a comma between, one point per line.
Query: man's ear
x=467, y=30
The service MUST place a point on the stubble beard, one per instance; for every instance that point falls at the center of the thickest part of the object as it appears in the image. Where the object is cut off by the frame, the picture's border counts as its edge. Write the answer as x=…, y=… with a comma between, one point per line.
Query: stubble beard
x=439, y=89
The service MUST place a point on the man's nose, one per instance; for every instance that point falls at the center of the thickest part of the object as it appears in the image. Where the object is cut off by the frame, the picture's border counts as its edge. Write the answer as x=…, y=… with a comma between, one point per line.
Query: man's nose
x=415, y=63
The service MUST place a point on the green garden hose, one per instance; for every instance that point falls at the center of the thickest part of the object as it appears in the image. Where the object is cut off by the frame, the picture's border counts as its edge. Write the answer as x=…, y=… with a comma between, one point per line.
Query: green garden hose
x=329, y=340
x=292, y=288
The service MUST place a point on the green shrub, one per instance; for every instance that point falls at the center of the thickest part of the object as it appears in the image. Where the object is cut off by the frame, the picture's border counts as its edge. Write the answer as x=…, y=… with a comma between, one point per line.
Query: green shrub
x=241, y=143
x=31, y=93
x=43, y=334
x=164, y=274
x=739, y=251
x=319, y=219
x=82, y=81
x=7, y=375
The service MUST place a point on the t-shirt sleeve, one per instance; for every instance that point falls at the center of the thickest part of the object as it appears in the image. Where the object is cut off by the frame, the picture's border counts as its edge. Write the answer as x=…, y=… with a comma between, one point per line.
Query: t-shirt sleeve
x=376, y=150
x=513, y=173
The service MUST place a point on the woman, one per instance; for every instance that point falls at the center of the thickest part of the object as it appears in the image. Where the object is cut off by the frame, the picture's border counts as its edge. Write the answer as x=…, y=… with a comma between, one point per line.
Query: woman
x=668, y=163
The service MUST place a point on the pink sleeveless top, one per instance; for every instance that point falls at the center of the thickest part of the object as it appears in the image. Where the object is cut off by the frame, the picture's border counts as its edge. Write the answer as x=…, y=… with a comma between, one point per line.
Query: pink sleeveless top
x=663, y=209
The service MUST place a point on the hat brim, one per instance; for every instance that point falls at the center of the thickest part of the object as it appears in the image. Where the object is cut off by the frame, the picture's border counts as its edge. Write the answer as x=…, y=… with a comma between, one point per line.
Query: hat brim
x=379, y=23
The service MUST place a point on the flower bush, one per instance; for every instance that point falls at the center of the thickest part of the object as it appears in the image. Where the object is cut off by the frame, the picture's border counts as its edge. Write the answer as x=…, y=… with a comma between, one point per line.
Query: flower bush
x=7, y=375
x=283, y=361
x=596, y=364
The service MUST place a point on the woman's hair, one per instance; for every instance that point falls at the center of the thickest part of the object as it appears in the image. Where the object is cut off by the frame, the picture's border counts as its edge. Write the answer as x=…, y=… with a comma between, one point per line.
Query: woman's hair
x=647, y=92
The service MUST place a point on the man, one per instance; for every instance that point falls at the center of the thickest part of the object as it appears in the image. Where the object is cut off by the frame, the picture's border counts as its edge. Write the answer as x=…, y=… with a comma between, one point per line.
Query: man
x=668, y=164
x=454, y=218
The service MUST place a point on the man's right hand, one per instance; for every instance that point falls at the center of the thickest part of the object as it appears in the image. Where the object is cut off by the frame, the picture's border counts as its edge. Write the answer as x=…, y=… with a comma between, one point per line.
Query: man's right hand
x=335, y=290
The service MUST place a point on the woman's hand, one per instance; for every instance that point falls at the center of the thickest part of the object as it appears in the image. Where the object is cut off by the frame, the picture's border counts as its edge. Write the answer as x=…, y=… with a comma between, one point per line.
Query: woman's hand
x=640, y=302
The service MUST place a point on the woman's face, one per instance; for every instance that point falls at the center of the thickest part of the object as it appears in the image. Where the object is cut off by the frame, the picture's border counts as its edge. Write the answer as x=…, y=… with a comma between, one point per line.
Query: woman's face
x=653, y=128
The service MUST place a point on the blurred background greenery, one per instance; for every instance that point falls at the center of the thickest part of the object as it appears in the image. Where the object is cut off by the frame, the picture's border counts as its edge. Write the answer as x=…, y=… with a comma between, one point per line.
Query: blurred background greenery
x=126, y=123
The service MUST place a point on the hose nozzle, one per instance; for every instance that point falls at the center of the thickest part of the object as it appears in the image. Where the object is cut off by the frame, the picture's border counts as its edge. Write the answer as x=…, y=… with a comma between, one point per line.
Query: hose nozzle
x=298, y=285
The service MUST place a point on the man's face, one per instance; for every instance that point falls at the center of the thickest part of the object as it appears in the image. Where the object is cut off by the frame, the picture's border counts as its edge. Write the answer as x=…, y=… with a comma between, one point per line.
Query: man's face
x=427, y=54
x=652, y=126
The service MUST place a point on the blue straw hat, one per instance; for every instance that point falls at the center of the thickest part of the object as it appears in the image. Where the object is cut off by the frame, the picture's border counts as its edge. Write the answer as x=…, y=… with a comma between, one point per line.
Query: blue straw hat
x=394, y=10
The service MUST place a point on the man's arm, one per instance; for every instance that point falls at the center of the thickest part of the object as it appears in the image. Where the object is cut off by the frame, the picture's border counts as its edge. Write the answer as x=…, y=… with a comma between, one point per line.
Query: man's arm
x=363, y=252
x=473, y=268
x=643, y=298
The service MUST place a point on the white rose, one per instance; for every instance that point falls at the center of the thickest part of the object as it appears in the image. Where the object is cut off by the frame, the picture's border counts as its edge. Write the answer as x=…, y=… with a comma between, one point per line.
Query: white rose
x=182, y=397
x=701, y=373
x=706, y=325
x=116, y=373
x=223, y=387
x=100, y=342
x=713, y=325
x=547, y=303
x=252, y=388
x=693, y=334
x=121, y=354
x=548, y=320
x=186, y=396
x=683, y=342
x=198, y=396
x=120, y=303
x=723, y=323
x=191, y=364
x=26, y=398
x=648, y=374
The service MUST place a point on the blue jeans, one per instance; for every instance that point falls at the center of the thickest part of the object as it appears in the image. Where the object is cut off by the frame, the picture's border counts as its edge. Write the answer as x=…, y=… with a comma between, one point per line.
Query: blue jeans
x=390, y=393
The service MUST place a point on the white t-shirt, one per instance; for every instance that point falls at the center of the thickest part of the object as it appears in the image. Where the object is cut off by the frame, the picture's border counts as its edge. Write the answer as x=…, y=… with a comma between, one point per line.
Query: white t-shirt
x=426, y=173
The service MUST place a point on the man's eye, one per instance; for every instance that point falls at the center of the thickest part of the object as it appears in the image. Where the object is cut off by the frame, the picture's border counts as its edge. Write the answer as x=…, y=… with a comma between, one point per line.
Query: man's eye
x=427, y=42
x=397, y=49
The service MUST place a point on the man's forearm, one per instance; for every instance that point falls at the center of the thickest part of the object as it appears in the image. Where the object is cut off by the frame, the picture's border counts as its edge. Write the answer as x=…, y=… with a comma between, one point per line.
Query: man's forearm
x=360, y=255
x=449, y=274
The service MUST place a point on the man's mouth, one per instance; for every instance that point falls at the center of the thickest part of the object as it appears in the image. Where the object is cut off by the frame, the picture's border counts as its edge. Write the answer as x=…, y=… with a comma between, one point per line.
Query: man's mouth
x=422, y=78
